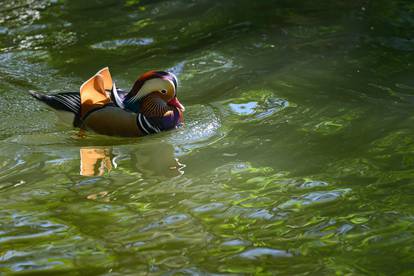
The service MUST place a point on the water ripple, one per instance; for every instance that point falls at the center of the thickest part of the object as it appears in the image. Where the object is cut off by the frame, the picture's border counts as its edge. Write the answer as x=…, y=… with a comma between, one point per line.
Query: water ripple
x=118, y=43
x=209, y=62
x=258, y=253
x=23, y=227
x=252, y=106
x=315, y=198
x=202, y=127
x=167, y=221
x=209, y=207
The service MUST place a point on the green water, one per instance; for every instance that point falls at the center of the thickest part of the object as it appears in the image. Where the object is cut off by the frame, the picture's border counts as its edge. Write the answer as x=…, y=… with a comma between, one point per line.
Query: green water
x=297, y=157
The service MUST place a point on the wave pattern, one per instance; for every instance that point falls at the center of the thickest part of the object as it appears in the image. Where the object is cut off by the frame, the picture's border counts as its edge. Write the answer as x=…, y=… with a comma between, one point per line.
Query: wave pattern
x=296, y=156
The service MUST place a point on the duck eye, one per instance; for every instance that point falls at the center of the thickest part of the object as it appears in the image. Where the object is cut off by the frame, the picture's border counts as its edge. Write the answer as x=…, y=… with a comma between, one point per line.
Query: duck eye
x=164, y=91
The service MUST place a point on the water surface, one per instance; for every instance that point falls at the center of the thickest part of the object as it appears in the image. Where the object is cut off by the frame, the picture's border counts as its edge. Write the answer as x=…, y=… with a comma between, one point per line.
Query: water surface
x=297, y=157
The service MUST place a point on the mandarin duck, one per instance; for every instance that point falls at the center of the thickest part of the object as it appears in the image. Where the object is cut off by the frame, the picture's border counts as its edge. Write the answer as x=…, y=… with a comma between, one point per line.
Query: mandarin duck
x=151, y=106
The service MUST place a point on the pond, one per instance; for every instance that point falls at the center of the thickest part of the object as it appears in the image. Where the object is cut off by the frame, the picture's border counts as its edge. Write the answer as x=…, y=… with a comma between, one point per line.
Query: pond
x=297, y=155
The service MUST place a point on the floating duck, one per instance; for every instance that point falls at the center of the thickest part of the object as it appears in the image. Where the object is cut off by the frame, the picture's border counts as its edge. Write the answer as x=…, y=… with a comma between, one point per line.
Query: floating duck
x=150, y=107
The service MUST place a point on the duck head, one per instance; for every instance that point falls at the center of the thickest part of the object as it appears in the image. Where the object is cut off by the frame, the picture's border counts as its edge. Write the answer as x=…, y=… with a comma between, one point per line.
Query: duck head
x=154, y=90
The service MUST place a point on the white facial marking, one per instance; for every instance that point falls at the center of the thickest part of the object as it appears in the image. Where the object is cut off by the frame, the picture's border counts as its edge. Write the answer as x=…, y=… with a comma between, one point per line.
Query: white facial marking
x=152, y=85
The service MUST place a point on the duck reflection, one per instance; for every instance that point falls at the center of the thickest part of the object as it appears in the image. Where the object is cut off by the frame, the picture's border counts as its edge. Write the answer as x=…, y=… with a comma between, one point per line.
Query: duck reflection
x=149, y=159
x=95, y=161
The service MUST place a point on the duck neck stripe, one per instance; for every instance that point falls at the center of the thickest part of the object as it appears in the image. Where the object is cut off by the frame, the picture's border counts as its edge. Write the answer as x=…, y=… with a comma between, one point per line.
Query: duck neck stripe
x=150, y=126
x=141, y=125
x=145, y=126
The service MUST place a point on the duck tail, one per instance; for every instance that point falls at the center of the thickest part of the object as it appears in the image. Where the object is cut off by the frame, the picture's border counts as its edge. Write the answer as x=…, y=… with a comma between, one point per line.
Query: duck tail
x=38, y=96
x=67, y=104
x=69, y=101
x=47, y=99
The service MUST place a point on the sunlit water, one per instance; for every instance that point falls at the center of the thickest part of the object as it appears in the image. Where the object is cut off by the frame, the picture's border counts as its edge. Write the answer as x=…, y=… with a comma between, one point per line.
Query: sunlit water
x=297, y=156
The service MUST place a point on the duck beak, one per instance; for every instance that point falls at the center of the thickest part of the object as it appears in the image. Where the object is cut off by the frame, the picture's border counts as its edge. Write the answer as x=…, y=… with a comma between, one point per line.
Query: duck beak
x=175, y=102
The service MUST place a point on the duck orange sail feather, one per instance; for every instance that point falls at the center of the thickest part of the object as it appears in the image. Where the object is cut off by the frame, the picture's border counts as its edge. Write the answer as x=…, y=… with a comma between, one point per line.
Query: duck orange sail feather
x=93, y=92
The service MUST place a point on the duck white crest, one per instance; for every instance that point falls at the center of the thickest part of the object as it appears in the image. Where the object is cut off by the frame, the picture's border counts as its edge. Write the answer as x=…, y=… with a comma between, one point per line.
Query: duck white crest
x=152, y=85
